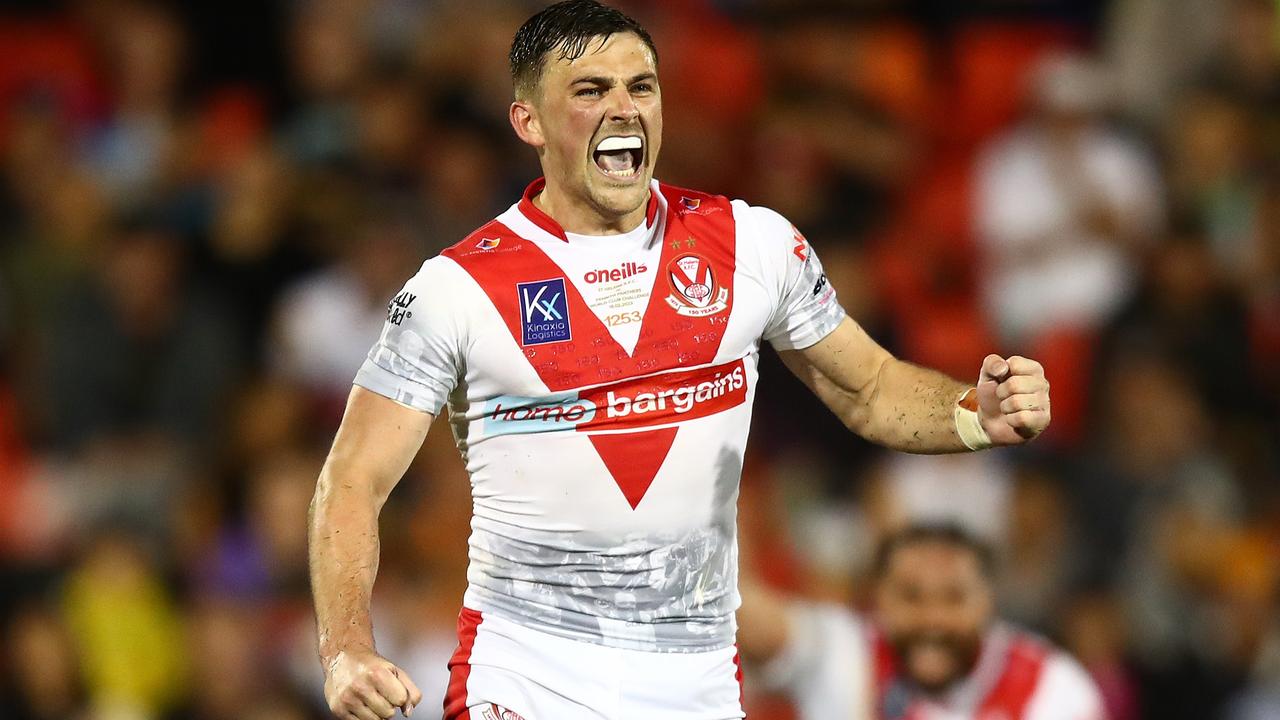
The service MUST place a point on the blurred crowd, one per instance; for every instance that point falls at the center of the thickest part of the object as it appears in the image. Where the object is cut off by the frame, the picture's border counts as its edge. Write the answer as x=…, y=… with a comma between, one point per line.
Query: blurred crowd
x=204, y=209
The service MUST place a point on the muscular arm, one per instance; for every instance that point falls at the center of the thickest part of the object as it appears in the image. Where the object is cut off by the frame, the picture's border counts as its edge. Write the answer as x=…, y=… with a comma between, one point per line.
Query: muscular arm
x=906, y=407
x=376, y=442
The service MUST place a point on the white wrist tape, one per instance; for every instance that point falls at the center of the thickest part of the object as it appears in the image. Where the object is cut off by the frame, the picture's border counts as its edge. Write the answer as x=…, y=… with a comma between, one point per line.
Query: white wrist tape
x=968, y=426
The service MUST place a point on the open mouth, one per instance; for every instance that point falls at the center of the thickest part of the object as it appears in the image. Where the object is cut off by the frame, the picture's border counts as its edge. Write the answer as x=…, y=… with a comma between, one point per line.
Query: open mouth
x=620, y=156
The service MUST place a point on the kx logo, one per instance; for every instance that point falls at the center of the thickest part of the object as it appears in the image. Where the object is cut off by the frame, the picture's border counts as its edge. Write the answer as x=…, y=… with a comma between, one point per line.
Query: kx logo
x=544, y=312
x=547, y=308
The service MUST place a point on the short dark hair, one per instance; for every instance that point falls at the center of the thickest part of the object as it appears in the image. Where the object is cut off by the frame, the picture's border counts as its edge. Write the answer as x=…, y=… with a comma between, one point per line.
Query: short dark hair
x=566, y=27
x=945, y=533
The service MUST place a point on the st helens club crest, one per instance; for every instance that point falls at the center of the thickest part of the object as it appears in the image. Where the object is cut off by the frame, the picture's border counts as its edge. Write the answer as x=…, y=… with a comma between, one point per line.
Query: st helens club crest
x=695, y=292
x=493, y=712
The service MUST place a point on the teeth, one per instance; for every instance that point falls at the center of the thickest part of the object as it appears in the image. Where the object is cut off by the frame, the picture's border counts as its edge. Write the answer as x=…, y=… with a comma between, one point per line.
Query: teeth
x=629, y=142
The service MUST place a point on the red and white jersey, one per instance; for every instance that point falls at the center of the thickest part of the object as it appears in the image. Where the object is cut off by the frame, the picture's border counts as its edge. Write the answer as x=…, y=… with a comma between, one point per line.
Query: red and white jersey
x=600, y=392
x=837, y=665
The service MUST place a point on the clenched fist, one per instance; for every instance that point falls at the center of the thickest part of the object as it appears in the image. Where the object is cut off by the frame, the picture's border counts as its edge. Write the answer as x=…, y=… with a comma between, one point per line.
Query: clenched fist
x=365, y=686
x=1013, y=399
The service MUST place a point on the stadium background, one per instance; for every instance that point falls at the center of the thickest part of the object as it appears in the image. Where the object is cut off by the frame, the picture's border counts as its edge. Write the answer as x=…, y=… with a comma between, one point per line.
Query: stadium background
x=204, y=208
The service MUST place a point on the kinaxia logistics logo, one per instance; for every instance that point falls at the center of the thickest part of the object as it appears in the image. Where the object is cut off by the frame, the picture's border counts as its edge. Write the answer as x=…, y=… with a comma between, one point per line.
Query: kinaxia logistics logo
x=544, y=312
x=646, y=402
x=622, y=272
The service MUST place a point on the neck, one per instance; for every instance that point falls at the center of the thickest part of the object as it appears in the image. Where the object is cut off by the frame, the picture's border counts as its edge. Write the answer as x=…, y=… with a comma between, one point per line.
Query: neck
x=580, y=217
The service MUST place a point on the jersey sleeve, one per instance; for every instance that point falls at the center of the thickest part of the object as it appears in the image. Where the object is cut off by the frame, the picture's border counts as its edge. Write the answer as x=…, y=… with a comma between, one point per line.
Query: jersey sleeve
x=824, y=668
x=417, y=359
x=806, y=307
x=1065, y=692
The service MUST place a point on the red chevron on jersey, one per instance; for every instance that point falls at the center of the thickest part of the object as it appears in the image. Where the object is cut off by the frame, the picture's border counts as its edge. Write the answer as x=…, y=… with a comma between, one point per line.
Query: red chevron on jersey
x=633, y=459
x=668, y=339
x=1009, y=698
x=674, y=334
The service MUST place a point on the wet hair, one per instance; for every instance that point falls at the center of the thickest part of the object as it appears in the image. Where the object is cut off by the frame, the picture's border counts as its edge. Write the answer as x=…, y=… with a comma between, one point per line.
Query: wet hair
x=945, y=533
x=566, y=28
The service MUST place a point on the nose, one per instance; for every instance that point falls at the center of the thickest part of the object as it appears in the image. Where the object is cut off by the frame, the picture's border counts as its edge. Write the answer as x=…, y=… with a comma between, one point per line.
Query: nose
x=622, y=107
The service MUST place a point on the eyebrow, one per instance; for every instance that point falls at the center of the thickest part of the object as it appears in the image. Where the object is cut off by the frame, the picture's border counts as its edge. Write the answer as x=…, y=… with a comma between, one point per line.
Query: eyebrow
x=601, y=80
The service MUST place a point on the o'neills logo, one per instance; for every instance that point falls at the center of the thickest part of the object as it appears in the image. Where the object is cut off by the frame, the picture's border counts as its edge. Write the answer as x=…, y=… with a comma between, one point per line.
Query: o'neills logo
x=663, y=399
x=623, y=272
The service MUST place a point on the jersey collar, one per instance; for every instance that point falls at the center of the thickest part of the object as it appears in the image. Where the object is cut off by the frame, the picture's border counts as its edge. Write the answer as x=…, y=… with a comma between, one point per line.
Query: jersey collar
x=544, y=221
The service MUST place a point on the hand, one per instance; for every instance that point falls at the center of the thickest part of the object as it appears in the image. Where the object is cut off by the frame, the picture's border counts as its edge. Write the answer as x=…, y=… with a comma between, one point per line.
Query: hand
x=362, y=685
x=1013, y=399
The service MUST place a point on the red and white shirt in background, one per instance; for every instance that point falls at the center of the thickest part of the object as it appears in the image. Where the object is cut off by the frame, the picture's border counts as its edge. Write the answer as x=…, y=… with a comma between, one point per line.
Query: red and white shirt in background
x=838, y=665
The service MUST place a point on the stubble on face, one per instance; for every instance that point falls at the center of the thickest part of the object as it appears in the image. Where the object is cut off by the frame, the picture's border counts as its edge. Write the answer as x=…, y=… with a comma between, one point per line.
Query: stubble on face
x=934, y=605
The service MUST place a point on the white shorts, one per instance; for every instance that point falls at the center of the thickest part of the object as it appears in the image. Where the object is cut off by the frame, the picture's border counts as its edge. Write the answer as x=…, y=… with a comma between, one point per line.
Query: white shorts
x=505, y=671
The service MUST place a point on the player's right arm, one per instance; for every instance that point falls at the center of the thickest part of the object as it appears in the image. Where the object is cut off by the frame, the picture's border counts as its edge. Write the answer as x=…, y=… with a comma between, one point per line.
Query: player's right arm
x=403, y=384
x=374, y=445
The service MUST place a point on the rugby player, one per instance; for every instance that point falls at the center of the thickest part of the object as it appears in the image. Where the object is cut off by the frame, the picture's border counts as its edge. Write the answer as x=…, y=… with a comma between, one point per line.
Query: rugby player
x=932, y=650
x=596, y=345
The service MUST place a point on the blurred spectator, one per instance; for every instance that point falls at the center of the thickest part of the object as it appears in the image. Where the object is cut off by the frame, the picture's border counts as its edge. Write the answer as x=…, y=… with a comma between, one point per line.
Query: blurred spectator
x=1041, y=559
x=460, y=190
x=1063, y=203
x=972, y=491
x=265, y=555
x=227, y=678
x=1158, y=503
x=1212, y=154
x=1188, y=311
x=41, y=675
x=327, y=321
x=1094, y=631
x=1157, y=47
x=1250, y=589
x=126, y=627
x=1247, y=62
x=253, y=245
x=328, y=58
x=144, y=47
x=162, y=354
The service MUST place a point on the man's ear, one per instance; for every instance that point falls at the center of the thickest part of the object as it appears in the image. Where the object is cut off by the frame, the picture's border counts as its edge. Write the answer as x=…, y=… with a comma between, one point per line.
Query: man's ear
x=524, y=120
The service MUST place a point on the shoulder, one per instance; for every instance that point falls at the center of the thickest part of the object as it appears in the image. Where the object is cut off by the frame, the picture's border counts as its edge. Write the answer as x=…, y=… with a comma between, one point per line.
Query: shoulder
x=1065, y=690
x=482, y=243
x=689, y=200
x=772, y=235
x=1065, y=676
x=762, y=221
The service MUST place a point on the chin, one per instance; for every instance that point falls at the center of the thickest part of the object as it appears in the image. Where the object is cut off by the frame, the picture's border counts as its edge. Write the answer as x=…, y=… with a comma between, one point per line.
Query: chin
x=624, y=199
x=934, y=685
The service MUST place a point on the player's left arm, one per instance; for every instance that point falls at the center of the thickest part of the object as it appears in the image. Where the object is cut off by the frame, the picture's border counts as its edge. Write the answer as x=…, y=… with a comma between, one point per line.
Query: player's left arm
x=907, y=407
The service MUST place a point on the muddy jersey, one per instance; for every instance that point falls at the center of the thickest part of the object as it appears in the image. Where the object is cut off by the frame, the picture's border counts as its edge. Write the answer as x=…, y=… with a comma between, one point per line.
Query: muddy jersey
x=837, y=665
x=600, y=392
